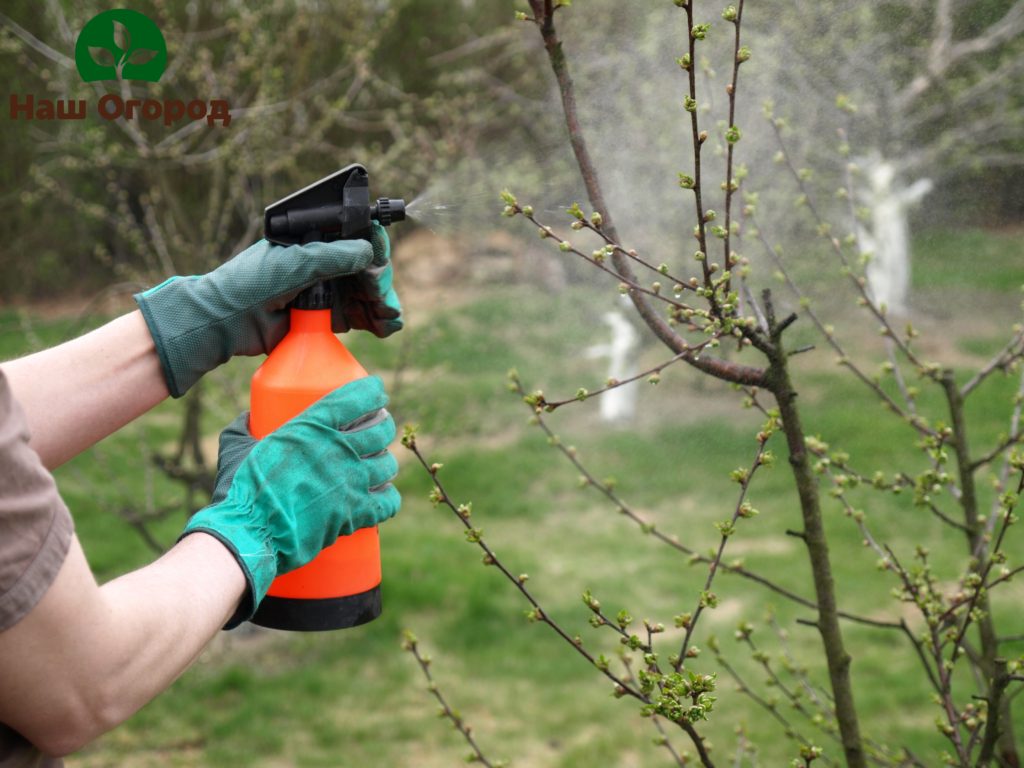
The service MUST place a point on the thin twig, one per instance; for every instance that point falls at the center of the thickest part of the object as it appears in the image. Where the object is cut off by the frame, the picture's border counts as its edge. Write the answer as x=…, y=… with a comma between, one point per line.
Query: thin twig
x=624, y=508
x=741, y=509
x=411, y=644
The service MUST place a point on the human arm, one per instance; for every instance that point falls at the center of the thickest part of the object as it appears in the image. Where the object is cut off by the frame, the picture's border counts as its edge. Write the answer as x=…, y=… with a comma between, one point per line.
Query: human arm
x=77, y=393
x=87, y=657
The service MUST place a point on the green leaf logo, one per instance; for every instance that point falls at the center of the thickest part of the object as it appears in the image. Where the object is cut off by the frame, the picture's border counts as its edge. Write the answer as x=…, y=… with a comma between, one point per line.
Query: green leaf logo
x=121, y=44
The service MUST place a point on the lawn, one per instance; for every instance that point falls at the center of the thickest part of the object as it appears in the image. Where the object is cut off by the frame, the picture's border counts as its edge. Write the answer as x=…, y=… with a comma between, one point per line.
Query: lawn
x=353, y=698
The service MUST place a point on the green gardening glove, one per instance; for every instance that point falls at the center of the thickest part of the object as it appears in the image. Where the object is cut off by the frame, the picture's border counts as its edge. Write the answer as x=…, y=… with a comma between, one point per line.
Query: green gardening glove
x=241, y=308
x=326, y=473
x=367, y=299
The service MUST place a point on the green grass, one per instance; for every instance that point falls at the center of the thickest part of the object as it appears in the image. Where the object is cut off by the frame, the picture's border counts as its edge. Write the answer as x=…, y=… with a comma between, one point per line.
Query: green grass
x=976, y=258
x=353, y=698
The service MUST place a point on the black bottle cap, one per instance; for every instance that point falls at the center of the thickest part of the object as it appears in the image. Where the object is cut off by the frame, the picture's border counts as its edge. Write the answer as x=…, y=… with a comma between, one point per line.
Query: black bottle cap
x=317, y=296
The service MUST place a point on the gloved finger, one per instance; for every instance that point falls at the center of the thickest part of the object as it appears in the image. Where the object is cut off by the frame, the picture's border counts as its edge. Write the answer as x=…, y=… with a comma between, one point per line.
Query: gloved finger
x=387, y=501
x=350, y=293
x=389, y=316
x=390, y=327
x=381, y=244
x=391, y=300
x=381, y=469
x=354, y=315
x=383, y=312
x=372, y=439
x=346, y=404
x=383, y=278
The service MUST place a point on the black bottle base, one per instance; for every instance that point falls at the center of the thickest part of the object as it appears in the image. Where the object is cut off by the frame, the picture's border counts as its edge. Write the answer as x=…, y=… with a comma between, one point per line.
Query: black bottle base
x=318, y=615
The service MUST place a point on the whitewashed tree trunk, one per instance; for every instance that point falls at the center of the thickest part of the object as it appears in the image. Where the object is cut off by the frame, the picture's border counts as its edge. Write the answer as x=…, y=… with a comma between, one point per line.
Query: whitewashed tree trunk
x=619, y=404
x=888, y=239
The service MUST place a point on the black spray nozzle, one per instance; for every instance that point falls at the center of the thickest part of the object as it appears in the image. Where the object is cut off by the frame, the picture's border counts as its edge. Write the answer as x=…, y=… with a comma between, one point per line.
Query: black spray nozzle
x=337, y=207
x=387, y=210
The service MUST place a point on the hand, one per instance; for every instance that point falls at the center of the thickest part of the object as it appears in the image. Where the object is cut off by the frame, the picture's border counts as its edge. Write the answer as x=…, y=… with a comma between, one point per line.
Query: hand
x=280, y=500
x=367, y=300
x=241, y=308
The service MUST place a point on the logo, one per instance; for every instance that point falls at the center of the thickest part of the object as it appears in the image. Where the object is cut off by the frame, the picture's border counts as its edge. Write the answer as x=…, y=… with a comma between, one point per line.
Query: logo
x=121, y=44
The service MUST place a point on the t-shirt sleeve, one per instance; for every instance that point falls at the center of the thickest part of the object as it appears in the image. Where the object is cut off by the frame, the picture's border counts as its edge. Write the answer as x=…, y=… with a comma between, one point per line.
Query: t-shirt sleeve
x=35, y=526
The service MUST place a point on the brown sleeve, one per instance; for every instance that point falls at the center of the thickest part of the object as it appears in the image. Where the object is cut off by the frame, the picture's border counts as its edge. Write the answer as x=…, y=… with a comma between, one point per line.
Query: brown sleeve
x=35, y=526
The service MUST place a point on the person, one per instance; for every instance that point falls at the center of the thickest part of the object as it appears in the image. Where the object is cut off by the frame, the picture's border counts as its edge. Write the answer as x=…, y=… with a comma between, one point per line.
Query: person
x=77, y=658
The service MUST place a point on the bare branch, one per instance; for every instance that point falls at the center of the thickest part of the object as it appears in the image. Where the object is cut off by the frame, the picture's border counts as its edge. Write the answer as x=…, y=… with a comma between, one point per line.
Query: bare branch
x=411, y=644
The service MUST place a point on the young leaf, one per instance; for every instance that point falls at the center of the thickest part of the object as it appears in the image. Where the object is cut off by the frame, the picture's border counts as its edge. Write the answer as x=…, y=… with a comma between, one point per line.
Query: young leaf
x=102, y=56
x=140, y=56
x=121, y=37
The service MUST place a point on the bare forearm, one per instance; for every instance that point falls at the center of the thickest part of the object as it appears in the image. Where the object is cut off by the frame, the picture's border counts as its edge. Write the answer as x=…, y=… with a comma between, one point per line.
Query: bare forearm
x=162, y=616
x=106, y=651
x=79, y=392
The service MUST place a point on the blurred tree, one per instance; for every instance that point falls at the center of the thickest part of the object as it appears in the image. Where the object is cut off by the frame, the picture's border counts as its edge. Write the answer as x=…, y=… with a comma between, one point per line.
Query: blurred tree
x=929, y=89
x=312, y=87
x=711, y=305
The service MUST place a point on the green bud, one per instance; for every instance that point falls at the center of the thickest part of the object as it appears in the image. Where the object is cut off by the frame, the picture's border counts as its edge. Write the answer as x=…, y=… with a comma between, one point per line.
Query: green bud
x=747, y=511
x=708, y=599
x=732, y=135
x=700, y=31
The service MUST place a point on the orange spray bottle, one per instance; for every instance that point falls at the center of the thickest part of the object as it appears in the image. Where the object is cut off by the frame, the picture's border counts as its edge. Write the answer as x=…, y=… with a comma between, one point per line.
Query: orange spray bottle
x=341, y=587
